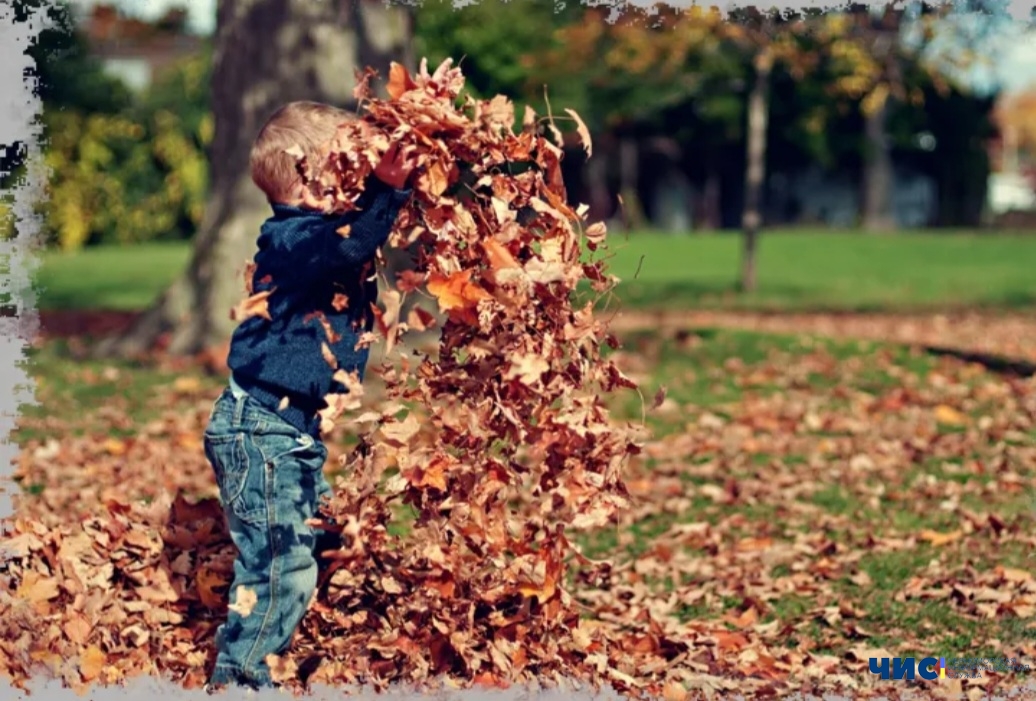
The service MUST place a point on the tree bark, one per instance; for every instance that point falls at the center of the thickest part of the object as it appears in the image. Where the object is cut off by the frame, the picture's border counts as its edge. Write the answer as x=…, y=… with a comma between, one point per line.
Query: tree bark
x=711, y=201
x=755, y=170
x=876, y=198
x=268, y=52
x=629, y=183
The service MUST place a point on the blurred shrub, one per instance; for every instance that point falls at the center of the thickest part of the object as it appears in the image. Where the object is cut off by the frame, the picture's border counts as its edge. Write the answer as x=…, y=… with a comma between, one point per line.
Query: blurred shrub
x=137, y=174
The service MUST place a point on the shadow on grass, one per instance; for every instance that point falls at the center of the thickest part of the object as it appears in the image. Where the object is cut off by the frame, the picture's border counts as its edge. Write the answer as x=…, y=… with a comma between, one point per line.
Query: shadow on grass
x=993, y=363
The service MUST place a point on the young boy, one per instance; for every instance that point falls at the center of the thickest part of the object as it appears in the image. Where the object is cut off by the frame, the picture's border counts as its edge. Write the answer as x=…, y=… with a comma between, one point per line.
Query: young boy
x=263, y=437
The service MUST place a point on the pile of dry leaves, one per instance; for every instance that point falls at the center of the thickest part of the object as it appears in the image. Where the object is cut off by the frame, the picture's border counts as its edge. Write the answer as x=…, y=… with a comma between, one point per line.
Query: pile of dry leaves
x=519, y=446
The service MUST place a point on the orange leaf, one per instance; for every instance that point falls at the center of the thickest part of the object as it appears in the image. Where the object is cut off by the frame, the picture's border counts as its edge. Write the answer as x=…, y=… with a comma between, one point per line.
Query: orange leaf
x=435, y=179
x=499, y=257
x=208, y=581
x=432, y=475
x=255, y=305
x=938, y=539
x=456, y=292
x=948, y=415
x=730, y=641
x=91, y=661
x=488, y=679
x=114, y=446
x=399, y=81
x=37, y=589
x=674, y=691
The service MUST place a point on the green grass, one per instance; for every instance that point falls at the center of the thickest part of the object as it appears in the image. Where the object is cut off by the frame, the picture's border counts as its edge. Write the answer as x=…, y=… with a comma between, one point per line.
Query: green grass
x=70, y=389
x=719, y=371
x=797, y=270
x=110, y=277
x=828, y=270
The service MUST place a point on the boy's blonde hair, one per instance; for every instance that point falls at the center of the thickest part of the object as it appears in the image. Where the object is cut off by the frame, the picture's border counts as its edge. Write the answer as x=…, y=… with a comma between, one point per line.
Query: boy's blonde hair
x=308, y=125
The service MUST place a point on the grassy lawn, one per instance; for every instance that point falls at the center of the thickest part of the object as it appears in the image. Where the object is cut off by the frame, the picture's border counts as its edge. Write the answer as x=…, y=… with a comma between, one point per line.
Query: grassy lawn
x=808, y=498
x=818, y=495
x=797, y=271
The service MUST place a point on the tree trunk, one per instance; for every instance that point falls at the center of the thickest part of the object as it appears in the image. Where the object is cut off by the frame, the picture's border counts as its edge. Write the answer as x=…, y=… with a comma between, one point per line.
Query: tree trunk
x=268, y=52
x=711, y=201
x=877, y=212
x=629, y=183
x=755, y=170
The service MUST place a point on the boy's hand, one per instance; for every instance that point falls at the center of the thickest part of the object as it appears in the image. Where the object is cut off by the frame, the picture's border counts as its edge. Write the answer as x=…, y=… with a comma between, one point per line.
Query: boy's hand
x=394, y=170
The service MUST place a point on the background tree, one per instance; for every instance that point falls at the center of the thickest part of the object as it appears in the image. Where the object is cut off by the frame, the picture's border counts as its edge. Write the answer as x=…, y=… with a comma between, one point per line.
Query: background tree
x=892, y=54
x=267, y=52
x=653, y=69
x=658, y=74
x=1016, y=120
x=67, y=78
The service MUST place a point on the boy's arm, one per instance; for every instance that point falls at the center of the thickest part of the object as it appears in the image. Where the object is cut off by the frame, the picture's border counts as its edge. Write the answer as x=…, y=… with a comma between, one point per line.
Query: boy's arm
x=368, y=227
x=292, y=254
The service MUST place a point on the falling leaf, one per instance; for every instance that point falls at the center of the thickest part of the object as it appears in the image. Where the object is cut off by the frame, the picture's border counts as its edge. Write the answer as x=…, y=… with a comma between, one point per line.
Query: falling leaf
x=584, y=133
x=255, y=305
x=499, y=257
x=527, y=369
x=399, y=81
x=329, y=356
x=457, y=294
x=435, y=179
x=659, y=397
x=431, y=475
x=400, y=432
x=340, y=302
x=245, y=600
x=420, y=319
x=409, y=280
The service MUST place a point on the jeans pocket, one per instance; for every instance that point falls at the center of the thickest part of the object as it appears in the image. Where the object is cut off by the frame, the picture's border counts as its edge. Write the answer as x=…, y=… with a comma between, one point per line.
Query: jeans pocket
x=239, y=476
x=278, y=444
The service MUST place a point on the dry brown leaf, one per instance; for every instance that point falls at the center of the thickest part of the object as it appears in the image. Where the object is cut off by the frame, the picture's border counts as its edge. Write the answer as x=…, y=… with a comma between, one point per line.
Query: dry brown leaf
x=245, y=600
x=254, y=305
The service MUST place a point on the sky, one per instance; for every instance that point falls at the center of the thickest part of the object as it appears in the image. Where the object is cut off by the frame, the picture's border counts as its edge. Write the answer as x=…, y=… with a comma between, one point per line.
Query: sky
x=1014, y=67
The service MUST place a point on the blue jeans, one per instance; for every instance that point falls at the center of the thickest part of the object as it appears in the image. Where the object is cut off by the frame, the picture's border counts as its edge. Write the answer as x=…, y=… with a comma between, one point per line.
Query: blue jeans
x=271, y=480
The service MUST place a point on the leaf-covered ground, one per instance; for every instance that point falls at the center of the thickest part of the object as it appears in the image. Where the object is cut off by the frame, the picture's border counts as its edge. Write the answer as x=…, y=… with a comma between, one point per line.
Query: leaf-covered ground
x=802, y=504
